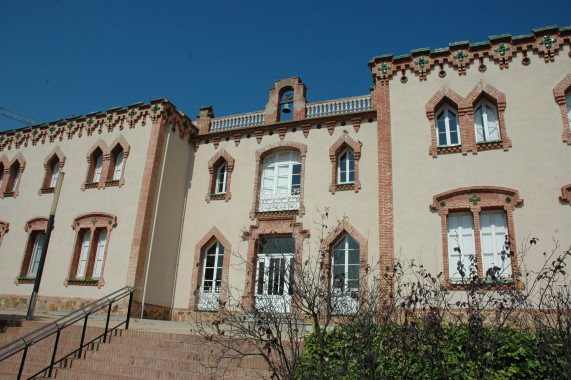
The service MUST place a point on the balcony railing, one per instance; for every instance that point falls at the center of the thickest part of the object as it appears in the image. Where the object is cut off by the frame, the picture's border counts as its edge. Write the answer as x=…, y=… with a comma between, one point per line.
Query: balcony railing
x=244, y=120
x=209, y=299
x=279, y=200
x=339, y=106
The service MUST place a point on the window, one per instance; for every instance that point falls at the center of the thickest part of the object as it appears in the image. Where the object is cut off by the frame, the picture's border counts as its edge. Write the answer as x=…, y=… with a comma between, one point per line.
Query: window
x=116, y=167
x=486, y=122
x=36, y=229
x=12, y=176
x=4, y=227
x=212, y=267
x=106, y=167
x=90, y=250
x=562, y=93
x=98, y=167
x=346, y=167
x=1, y=174
x=274, y=272
x=53, y=165
x=479, y=230
x=471, y=124
x=220, y=167
x=278, y=185
x=447, y=127
x=281, y=182
x=210, y=271
x=345, y=268
x=221, y=177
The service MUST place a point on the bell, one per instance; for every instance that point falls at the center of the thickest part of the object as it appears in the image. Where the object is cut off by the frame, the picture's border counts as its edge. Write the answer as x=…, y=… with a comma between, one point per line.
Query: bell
x=286, y=108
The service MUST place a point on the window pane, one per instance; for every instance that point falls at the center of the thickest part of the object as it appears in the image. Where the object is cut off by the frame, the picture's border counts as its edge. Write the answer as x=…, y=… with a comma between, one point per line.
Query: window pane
x=353, y=272
x=261, y=273
x=209, y=274
x=441, y=125
x=210, y=261
x=118, y=166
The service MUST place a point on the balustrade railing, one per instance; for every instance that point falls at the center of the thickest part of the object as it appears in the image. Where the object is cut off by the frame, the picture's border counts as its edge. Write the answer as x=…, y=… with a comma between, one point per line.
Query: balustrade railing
x=339, y=106
x=244, y=120
x=279, y=200
x=209, y=299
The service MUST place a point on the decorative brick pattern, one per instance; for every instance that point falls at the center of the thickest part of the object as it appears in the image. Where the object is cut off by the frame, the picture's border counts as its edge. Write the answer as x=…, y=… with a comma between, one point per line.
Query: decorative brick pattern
x=273, y=109
x=268, y=150
x=32, y=227
x=92, y=222
x=566, y=194
x=489, y=198
x=466, y=125
x=199, y=251
x=335, y=149
x=275, y=226
x=221, y=157
x=559, y=92
x=381, y=98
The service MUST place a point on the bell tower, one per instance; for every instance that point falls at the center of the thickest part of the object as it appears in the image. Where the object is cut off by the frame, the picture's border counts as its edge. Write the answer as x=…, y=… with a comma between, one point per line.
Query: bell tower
x=286, y=98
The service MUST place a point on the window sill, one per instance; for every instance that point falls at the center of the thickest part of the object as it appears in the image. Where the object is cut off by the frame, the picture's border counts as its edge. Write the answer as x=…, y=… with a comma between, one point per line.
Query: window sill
x=488, y=145
x=112, y=182
x=91, y=185
x=217, y=196
x=25, y=280
x=47, y=190
x=8, y=194
x=449, y=149
x=481, y=285
x=83, y=282
x=345, y=186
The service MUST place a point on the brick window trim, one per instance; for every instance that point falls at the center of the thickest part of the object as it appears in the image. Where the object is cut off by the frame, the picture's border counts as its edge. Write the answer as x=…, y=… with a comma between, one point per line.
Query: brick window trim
x=35, y=225
x=265, y=152
x=48, y=167
x=338, y=146
x=286, y=226
x=465, y=109
x=559, y=92
x=461, y=200
x=214, y=235
x=8, y=178
x=566, y=194
x=344, y=227
x=106, y=178
x=92, y=222
x=213, y=164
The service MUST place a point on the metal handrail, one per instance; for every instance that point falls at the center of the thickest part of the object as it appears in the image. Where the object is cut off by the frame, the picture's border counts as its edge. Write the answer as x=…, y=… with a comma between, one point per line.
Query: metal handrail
x=55, y=327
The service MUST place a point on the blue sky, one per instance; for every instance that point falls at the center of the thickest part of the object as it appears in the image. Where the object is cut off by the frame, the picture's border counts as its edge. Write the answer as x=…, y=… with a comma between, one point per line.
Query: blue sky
x=61, y=58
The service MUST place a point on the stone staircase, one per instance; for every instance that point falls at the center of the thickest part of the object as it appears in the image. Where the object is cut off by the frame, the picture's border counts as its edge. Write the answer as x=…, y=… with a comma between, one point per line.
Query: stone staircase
x=128, y=354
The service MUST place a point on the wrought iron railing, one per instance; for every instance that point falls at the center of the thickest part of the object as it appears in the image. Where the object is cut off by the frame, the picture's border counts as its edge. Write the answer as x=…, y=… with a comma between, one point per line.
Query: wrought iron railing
x=56, y=327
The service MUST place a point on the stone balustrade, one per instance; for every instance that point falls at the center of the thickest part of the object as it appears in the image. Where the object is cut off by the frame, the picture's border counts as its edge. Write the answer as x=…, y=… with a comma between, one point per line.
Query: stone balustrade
x=339, y=106
x=243, y=120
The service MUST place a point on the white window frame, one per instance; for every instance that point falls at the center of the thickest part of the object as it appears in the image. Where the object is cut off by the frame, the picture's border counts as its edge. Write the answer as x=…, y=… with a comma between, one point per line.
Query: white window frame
x=119, y=162
x=278, y=191
x=99, y=254
x=568, y=104
x=221, y=179
x=344, y=166
x=98, y=168
x=446, y=110
x=83, y=259
x=55, y=174
x=493, y=234
x=484, y=112
x=36, y=254
x=461, y=237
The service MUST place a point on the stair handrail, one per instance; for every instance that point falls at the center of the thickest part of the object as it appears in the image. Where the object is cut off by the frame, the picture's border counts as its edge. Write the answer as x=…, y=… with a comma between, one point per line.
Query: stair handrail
x=55, y=327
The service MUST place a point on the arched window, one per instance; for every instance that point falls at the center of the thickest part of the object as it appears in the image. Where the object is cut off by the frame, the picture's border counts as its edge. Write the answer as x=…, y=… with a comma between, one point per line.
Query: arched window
x=13, y=179
x=486, y=122
x=1, y=174
x=447, y=126
x=36, y=229
x=568, y=104
x=345, y=260
x=220, y=168
x=346, y=167
x=118, y=167
x=281, y=182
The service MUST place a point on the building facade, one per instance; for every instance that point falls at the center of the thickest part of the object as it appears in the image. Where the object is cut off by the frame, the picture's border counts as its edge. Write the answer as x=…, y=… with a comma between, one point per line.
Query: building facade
x=461, y=147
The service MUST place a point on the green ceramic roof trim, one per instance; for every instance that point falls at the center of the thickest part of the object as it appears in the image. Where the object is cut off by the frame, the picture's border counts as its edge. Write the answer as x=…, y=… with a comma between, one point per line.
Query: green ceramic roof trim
x=542, y=29
x=425, y=50
x=136, y=104
x=391, y=55
x=483, y=43
x=522, y=37
x=499, y=37
x=205, y=107
x=439, y=50
x=401, y=57
x=565, y=29
x=459, y=43
x=114, y=109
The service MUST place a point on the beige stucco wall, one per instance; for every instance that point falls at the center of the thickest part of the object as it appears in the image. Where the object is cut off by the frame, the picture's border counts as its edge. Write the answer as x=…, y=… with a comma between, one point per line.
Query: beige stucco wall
x=175, y=175
x=537, y=165
x=232, y=217
x=119, y=201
